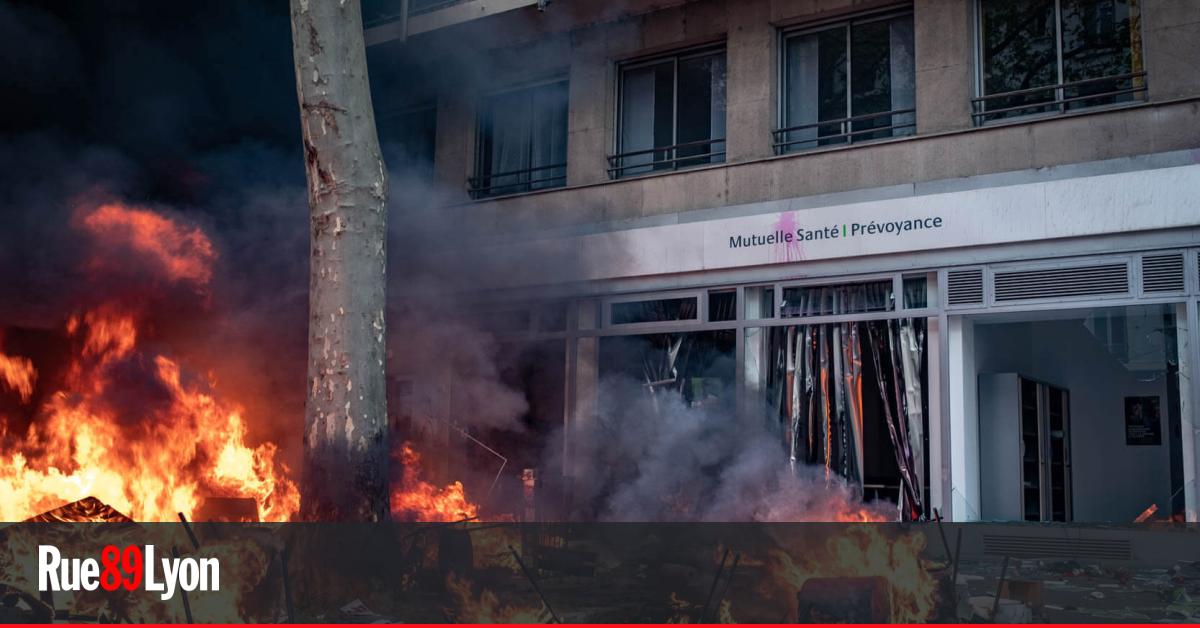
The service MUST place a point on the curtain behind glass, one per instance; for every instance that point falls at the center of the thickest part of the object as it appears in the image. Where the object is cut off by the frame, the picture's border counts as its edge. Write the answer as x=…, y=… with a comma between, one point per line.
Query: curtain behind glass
x=701, y=107
x=507, y=142
x=647, y=108
x=525, y=131
x=803, y=88
x=548, y=144
x=881, y=78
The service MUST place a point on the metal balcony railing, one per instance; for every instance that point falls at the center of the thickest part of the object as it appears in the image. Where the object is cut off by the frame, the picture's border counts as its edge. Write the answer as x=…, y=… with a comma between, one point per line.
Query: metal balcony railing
x=667, y=158
x=517, y=181
x=848, y=130
x=1059, y=97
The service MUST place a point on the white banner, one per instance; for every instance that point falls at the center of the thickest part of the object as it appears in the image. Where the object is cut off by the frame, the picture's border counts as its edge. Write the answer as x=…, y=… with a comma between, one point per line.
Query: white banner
x=1085, y=206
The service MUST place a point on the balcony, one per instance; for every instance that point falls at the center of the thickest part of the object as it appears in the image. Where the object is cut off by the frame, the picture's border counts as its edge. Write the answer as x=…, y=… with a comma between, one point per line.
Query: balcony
x=666, y=158
x=1059, y=98
x=871, y=126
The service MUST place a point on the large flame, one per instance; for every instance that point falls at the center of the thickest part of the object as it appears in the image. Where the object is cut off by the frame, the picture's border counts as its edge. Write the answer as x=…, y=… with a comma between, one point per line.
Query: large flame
x=414, y=499
x=128, y=426
x=862, y=551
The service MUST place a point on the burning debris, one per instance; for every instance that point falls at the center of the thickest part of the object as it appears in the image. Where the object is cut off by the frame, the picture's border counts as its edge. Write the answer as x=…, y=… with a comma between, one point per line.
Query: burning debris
x=414, y=499
x=86, y=510
x=123, y=421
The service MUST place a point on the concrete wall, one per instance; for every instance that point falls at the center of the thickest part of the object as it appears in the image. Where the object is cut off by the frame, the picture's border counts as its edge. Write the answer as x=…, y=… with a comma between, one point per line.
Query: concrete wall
x=1112, y=481
x=586, y=41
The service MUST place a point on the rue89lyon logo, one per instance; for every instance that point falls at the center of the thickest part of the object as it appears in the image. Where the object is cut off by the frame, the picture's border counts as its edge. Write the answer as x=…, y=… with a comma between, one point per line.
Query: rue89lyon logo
x=131, y=568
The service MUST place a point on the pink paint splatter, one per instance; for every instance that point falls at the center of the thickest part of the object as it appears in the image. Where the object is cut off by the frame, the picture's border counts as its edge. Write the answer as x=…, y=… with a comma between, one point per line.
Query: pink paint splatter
x=786, y=251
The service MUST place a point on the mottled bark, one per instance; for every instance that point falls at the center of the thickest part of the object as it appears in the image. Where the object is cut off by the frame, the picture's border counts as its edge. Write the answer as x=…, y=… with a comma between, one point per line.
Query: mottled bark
x=345, y=424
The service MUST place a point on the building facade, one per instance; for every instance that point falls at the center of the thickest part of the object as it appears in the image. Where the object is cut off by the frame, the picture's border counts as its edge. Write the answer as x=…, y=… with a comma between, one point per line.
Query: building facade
x=948, y=249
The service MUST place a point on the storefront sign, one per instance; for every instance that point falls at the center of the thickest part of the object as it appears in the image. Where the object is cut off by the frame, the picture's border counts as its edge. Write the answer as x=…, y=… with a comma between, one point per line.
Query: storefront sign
x=779, y=232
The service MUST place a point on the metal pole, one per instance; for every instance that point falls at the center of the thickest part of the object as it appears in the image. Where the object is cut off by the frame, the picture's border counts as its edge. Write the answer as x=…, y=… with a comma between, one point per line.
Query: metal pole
x=187, y=607
x=533, y=581
x=999, y=588
x=188, y=529
x=713, y=588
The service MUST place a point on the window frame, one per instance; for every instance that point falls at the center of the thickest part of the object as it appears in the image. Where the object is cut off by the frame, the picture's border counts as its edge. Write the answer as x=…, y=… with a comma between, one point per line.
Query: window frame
x=846, y=22
x=615, y=168
x=423, y=107
x=475, y=188
x=1058, y=106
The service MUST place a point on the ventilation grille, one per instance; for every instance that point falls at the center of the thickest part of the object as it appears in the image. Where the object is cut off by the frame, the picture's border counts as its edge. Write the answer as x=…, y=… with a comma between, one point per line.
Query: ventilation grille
x=1021, y=285
x=964, y=287
x=1015, y=546
x=1162, y=273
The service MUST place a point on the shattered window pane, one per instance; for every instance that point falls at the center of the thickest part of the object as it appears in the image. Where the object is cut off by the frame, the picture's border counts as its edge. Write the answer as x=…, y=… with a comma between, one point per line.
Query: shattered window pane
x=854, y=298
x=722, y=305
x=655, y=311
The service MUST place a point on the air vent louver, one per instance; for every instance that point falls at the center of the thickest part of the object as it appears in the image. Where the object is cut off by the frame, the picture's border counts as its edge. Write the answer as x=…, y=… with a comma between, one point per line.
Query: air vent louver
x=1162, y=273
x=1020, y=546
x=1047, y=283
x=965, y=287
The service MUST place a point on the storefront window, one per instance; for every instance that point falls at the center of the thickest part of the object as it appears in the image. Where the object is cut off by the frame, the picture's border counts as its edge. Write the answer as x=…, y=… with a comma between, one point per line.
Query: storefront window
x=851, y=298
x=697, y=366
x=760, y=302
x=849, y=397
x=654, y=311
x=1080, y=414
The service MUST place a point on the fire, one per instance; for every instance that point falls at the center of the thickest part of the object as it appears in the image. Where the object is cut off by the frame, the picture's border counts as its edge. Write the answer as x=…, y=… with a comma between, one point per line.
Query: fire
x=862, y=551
x=490, y=548
x=486, y=608
x=183, y=253
x=129, y=426
x=151, y=465
x=414, y=499
x=19, y=375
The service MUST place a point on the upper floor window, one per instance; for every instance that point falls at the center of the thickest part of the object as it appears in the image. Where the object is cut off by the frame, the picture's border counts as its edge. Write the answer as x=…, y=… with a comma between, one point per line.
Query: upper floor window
x=848, y=82
x=1051, y=56
x=672, y=113
x=406, y=138
x=522, y=141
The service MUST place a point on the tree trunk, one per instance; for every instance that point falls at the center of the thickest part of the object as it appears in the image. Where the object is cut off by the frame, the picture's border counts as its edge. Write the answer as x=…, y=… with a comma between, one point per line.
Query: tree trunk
x=345, y=423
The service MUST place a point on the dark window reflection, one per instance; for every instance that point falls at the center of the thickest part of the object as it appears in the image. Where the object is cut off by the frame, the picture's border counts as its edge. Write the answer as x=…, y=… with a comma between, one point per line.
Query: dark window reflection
x=407, y=140
x=1046, y=56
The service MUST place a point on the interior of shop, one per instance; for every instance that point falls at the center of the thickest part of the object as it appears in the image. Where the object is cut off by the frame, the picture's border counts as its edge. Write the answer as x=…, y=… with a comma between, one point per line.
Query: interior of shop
x=1079, y=415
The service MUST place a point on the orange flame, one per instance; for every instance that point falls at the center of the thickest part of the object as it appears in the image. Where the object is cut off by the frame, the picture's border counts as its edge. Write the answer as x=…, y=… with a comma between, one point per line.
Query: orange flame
x=19, y=375
x=183, y=253
x=859, y=552
x=150, y=457
x=414, y=499
x=180, y=449
x=486, y=608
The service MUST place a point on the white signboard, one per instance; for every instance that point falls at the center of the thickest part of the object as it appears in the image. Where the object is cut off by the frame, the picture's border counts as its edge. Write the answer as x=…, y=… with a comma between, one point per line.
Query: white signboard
x=1085, y=206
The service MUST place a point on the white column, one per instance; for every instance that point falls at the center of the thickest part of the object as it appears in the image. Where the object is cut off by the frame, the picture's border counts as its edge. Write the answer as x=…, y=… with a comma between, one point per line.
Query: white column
x=936, y=418
x=964, y=422
x=1185, y=317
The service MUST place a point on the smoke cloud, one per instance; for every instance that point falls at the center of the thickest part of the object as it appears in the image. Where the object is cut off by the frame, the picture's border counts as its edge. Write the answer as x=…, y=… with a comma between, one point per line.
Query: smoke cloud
x=189, y=113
